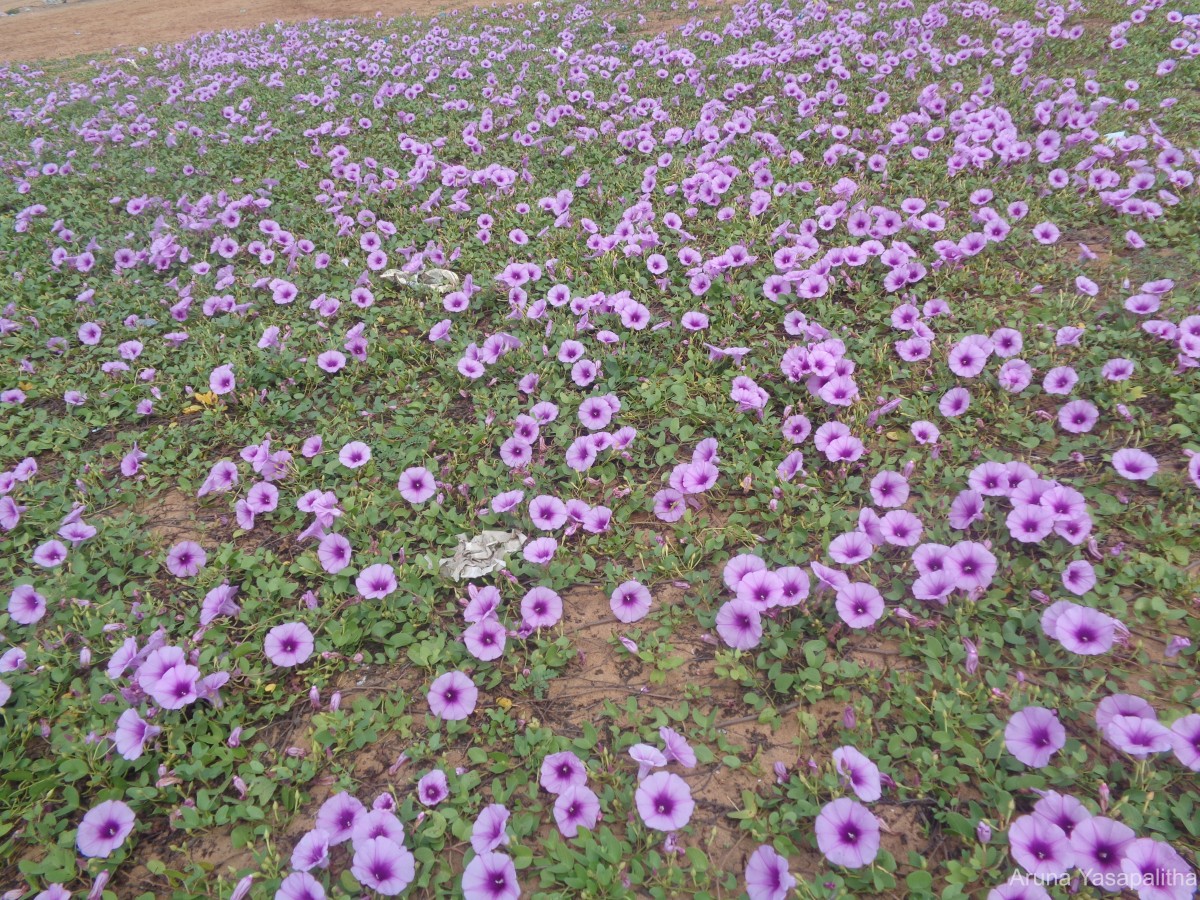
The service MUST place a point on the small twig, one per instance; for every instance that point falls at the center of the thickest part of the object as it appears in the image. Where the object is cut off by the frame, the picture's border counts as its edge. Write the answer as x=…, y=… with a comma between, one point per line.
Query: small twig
x=742, y=720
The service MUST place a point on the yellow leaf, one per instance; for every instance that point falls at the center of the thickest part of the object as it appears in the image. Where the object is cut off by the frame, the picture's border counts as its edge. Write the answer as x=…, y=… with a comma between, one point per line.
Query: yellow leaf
x=893, y=435
x=192, y=409
x=269, y=688
x=504, y=703
x=206, y=399
x=25, y=385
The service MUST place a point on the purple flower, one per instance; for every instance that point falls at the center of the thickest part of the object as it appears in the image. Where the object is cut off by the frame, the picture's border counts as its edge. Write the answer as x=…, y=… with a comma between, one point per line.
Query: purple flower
x=889, y=489
x=331, y=361
x=560, y=771
x=1019, y=887
x=767, y=875
x=488, y=832
x=104, y=828
x=1083, y=630
x=132, y=734
x=954, y=402
x=647, y=758
x=968, y=357
x=540, y=551
x=185, y=559
x=1029, y=524
x=576, y=807
x=541, y=608
x=1062, y=810
x=847, y=833
x=1060, y=380
x=595, y=413
x=485, y=639
x=311, y=851
x=452, y=696
x=630, y=601
x=433, y=788
x=859, y=604
x=26, y=605
x=300, y=886
x=1138, y=736
x=1122, y=705
x=376, y=581
x=901, y=528
x=1185, y=740
x=1079, y=577
x=1156, y=871
x=354, y=455
x=507, y=501
x=1118, y=369
x=378, y=823
x=338, y=817
x=1078, y=417
x=844, y=449
x=965, y=509
x=1099, y=845
x=1040, y=847
x=738, y=567
x=263, y=497
x=289, y=644
x=676, y=747
x=547, y=513
x=1136, y=465
x=762, y=588
x=490, y=876
x=51, y=554
x=739, y=624
x=794, y=585
x=221, y=380
x=417, y=484
x=383, y=866
x=1045, y=232
x=222, y=477
x=860, y=772
x=334, y=553
x=664, y=801
x=1015, y=375
x=1033, y=735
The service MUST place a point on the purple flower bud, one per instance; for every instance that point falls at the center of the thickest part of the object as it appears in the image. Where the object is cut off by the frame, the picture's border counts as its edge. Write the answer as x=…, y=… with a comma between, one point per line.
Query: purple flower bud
x=849, y=719
x=400, y=760
x=310, y=600
x=242, y=889
x=1105, y=796
x=983, y=832
x=235, y=737
x=972, y=663
x=335, y=701
x=781, y=773
x=314, y=697
x=85, y=657
x=240, y=786
x=1176, y=645
x=97, y=890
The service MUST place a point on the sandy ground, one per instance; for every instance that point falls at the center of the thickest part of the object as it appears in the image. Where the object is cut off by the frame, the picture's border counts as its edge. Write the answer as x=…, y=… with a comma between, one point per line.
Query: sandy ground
x=92, y=26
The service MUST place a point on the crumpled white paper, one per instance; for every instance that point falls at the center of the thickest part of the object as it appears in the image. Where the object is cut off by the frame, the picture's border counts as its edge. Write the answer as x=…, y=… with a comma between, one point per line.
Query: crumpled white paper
x=434, y=281
x=481, y=555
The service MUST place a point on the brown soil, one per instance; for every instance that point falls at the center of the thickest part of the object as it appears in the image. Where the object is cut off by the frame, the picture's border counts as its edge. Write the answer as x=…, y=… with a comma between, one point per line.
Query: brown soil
x=93, y=26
